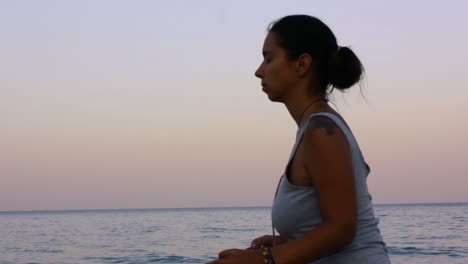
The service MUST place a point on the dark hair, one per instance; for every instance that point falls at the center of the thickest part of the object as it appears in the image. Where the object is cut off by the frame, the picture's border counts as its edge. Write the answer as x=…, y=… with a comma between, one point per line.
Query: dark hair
x=336, y=67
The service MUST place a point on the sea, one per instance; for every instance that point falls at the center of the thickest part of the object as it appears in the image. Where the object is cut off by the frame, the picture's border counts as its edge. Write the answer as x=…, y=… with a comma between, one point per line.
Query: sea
x=414, y=234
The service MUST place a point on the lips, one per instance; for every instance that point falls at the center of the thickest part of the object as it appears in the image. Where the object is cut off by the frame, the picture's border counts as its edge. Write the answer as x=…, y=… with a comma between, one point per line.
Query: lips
x=264, y=87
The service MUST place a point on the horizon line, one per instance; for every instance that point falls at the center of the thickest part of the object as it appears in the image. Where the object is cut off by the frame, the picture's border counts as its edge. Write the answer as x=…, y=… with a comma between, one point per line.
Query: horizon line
x=201, y=208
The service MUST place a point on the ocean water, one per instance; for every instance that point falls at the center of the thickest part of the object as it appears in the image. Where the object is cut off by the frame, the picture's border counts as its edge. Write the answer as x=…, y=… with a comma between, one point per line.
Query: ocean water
x=415, y=234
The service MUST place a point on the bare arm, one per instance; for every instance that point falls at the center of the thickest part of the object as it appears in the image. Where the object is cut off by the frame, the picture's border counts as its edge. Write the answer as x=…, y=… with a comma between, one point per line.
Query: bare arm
x=328, y=163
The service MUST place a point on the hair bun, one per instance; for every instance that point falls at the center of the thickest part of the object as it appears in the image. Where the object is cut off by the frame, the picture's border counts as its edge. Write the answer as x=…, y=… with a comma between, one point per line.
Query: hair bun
x=345, y=69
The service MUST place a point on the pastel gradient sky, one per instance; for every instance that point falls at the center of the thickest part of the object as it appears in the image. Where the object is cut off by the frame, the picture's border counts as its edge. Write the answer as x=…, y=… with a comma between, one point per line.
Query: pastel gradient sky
x=152, y=104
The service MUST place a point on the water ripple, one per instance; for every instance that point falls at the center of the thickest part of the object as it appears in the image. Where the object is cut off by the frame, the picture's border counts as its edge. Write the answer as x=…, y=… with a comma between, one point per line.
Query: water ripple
x=413, y=233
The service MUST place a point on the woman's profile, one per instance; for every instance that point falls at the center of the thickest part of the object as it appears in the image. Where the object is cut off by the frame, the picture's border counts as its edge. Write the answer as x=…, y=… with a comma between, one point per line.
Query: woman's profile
x=322, y=209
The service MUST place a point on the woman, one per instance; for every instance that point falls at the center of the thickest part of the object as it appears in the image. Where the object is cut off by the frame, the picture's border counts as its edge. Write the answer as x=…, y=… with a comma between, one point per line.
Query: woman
x=322, y=207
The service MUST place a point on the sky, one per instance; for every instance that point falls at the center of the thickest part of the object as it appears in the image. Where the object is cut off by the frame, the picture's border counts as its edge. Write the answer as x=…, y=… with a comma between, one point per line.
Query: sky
x=154, y=104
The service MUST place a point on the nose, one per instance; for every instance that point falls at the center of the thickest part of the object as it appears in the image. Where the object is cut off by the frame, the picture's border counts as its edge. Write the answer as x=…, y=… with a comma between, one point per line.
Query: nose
x=259, y=72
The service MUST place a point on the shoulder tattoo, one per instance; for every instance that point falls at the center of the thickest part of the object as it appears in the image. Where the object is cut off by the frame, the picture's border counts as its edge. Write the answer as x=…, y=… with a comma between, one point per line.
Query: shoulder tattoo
x=322, y=122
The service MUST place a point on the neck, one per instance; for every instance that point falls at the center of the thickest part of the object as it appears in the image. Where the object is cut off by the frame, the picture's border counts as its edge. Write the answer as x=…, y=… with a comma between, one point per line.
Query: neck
x=301, y=109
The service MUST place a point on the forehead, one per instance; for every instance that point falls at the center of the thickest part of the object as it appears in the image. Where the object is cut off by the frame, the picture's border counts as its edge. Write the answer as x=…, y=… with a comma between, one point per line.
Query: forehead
x=270, y=44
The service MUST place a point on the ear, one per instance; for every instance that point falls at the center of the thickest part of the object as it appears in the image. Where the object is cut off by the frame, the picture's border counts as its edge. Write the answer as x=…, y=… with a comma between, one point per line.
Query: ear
x=303, y=64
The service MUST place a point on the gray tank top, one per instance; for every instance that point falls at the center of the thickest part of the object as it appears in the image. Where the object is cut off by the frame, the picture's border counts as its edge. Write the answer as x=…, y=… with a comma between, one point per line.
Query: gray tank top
x=296, y=209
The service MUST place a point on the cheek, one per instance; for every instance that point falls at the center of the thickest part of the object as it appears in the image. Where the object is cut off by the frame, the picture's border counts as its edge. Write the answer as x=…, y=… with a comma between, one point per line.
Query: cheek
x=279, y=74
x=272, y=71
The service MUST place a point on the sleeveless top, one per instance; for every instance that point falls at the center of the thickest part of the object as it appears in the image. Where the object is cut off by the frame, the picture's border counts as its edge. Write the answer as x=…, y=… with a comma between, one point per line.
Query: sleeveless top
x=296, y=208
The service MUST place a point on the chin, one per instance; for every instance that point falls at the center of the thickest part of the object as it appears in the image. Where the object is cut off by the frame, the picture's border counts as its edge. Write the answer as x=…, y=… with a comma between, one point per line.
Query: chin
x=274, y=99
x=272, y=96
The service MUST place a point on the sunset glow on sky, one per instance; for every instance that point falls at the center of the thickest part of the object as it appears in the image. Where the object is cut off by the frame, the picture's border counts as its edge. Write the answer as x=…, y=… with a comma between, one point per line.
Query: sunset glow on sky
x=150, y=104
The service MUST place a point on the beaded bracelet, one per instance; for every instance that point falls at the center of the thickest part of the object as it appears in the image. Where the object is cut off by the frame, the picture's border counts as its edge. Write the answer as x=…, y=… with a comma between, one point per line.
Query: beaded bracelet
x=267, y=256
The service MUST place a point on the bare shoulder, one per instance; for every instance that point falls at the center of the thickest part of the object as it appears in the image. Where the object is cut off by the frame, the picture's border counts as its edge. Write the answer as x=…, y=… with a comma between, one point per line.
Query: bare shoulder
x=324, y=139
x=327, y=156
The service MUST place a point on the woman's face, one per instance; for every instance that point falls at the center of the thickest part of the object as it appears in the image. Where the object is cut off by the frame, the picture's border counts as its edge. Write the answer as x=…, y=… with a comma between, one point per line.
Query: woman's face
x=276, y=71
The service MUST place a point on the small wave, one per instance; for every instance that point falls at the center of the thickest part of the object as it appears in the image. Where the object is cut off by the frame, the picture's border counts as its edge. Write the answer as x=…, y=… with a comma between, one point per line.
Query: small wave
x=50, y=251
x=152, y=229
x=148, y=258
x=13, y=249
x=448, y=237
x=26, y=250
x=173, y=259
x=450, y=252
x=109, y=259
x=213, y=229
x=211, y=237
x=222, y=230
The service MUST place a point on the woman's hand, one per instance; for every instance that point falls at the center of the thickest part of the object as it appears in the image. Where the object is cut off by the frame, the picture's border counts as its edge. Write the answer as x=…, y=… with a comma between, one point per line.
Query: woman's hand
x=267, y=241
x=239, y=256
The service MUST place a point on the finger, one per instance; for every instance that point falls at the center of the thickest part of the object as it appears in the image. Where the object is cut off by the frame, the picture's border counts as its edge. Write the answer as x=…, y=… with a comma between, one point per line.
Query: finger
x=215, y=262
x=227, y=253
x=265, y=240
x=256, y=242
